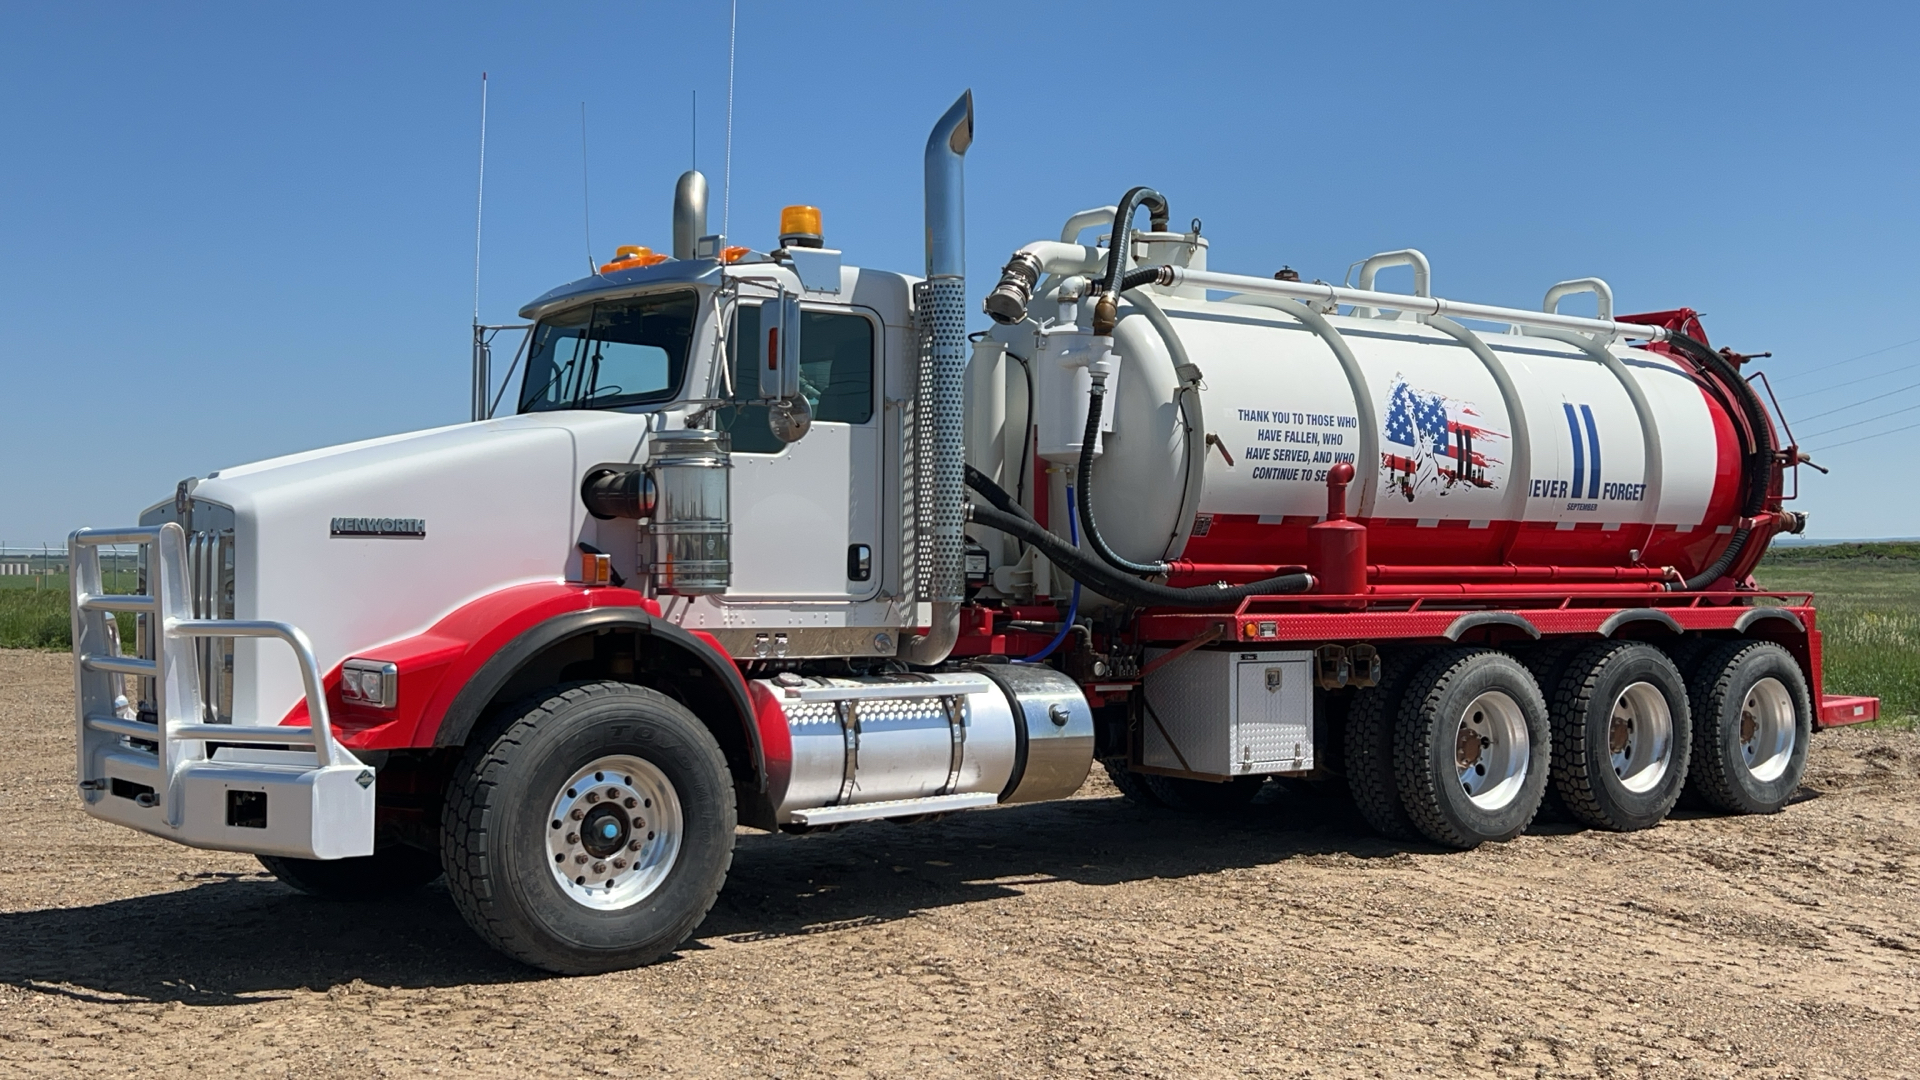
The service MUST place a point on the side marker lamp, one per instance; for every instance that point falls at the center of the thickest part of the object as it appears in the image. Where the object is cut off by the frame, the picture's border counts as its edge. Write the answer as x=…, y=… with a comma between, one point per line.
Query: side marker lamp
x=631, y=256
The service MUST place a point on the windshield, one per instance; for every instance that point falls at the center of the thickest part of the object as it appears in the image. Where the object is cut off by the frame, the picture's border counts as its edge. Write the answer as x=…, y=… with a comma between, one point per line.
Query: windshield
x=610, y=354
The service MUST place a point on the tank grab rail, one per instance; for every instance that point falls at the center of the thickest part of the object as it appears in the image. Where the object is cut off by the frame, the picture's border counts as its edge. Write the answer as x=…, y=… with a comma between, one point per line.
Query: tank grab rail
x=1414, y=257
x=1602, y=295
x=1419, y=305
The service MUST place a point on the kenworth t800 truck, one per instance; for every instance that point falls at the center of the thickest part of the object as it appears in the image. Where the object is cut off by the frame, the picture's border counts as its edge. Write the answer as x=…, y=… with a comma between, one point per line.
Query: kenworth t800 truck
x=762, y=539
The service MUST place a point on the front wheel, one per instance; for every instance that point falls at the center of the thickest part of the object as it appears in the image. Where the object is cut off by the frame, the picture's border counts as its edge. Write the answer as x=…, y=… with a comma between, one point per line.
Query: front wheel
x=389, y=871
x=593, y=833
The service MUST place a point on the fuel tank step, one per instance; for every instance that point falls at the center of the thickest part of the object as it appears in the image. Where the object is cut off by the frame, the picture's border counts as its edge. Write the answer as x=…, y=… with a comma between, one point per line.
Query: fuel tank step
x=874, y=811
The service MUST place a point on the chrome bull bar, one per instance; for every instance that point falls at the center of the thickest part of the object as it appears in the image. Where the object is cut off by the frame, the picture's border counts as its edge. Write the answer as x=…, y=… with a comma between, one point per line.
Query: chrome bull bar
x=259, y=787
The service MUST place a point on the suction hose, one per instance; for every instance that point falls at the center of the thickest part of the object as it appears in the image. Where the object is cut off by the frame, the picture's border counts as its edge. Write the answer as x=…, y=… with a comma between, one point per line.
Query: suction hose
x=1009, y=517
x=1759, y=460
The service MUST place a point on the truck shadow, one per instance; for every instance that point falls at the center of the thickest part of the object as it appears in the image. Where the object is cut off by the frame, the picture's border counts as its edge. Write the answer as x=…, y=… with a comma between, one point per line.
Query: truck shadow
x=235, y=938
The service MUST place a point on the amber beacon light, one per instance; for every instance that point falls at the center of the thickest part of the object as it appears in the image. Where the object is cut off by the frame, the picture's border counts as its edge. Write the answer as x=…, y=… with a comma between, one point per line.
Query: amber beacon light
x=800, y=227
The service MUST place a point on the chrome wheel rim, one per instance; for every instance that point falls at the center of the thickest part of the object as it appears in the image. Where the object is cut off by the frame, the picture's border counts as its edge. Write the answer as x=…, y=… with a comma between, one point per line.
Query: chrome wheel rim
x=1767, y=730
x=1640, y=737
x=1491, y=749
x=614, y=832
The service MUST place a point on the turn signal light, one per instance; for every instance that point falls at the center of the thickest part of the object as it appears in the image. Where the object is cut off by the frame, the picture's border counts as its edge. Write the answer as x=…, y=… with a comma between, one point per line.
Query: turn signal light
x=800, y=227
x=596, y=570
x=629, y=256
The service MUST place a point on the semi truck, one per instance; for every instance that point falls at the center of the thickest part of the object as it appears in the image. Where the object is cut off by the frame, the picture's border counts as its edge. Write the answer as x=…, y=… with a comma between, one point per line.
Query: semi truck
x=765, y=539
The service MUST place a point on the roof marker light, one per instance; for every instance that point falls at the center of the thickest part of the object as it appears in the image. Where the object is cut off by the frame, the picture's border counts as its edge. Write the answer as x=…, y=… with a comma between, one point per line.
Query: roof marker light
x=630, y=256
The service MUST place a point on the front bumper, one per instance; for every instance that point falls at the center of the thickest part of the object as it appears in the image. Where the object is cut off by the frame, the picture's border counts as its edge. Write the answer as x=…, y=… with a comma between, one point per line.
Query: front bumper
x=261, y=788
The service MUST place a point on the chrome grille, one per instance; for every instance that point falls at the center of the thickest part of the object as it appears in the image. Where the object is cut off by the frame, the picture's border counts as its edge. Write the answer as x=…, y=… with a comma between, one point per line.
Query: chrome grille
x=210, y=569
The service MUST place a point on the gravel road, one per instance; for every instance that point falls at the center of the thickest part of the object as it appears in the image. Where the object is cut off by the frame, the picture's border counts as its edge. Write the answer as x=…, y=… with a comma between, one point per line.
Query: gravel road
x=1072, y=939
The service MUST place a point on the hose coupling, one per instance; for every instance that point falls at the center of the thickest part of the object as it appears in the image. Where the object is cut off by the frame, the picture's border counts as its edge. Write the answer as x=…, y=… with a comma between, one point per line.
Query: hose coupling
x=1007, y=303
x=1106, y=315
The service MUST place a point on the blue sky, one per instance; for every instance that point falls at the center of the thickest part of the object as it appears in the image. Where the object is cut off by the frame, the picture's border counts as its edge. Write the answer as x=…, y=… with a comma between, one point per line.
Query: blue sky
x=229, y=232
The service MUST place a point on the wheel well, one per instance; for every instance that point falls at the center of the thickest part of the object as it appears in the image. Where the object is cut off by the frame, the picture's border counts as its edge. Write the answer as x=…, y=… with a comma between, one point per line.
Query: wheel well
x=621, y=645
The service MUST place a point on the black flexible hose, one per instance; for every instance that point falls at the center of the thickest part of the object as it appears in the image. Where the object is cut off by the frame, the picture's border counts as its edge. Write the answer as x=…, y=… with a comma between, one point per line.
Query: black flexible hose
x=1096, y=399
x=1759, y=466
x=1120, y=244
x=1010, y=517
x=1104, y=581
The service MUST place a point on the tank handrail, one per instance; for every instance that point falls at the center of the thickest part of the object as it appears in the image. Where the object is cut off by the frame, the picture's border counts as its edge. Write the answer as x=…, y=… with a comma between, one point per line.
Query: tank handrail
x=1420, y=305
x=1414, y=257
x=1602, y=295
x=1086, y=219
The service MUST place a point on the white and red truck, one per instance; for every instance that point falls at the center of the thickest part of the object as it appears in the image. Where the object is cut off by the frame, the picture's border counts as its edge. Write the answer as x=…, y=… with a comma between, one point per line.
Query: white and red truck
x=767, y=541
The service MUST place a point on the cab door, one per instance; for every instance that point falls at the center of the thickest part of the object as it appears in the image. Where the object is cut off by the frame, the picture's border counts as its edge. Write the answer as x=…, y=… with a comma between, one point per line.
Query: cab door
x=806, y=515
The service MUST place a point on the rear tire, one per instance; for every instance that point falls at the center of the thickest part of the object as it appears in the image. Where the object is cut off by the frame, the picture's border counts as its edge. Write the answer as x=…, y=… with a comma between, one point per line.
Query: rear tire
x=618, y=786
x=1472, y=747
x=1132, y=785
x=389, y=871
x=1205, y=796
x=1621, y=735
x=1369, y=748
x=1752, y=721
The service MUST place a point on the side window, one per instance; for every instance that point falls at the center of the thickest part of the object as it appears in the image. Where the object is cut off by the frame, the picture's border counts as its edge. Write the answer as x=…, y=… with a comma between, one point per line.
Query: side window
x=836, y=375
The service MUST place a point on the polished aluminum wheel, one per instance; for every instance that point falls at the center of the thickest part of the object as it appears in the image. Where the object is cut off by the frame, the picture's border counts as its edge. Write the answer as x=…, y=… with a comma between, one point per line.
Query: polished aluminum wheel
x=1640, y=737
x=1491, y=750
x=614, y=833
x=1767, y=727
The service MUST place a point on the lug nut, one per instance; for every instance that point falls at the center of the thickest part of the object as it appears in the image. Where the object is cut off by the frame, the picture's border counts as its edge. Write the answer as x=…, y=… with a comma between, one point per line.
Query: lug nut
x=613, y=794
x=580, y=859
x=592, y=797
x=630, y=802
x=635, y=845
x=599, y=868
x=573, y=838
x=577, y=814
x=619, y=864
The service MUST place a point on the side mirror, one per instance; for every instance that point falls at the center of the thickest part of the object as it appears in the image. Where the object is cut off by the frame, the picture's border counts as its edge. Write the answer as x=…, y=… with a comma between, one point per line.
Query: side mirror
x=780, y=348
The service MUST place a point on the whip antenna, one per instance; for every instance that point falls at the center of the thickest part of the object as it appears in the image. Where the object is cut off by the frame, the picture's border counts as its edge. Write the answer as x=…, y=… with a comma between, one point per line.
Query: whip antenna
x=480, y=199
x=586, y=201
x=726, y=178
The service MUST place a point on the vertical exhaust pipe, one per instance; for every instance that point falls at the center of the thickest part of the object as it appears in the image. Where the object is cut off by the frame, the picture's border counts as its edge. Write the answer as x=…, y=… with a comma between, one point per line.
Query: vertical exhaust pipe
x=940, y=304
x=689, y=213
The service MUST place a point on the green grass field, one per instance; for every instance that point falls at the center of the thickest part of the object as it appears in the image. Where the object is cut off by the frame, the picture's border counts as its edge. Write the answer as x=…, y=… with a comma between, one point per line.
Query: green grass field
x=1868, y=596
x=1868, y=599
x=34, y=611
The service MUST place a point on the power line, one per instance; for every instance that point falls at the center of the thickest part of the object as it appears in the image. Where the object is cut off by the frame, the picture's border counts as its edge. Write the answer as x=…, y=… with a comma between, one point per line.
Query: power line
x=1855, y=382
x=1857, y=404
x=1862, y=356
x=1868, y=420
x=1864, y=438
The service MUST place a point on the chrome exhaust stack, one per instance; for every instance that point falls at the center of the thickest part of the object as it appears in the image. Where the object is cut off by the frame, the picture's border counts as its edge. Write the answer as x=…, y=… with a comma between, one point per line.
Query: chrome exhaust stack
x=689, y=213
x=939, y=412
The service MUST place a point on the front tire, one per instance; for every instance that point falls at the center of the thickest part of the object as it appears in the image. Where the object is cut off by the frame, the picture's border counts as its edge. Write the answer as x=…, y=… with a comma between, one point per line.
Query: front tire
x=1471, y=748
x=1752, y=721
x=593, y=833
x=389, y=871
x=1621, y=735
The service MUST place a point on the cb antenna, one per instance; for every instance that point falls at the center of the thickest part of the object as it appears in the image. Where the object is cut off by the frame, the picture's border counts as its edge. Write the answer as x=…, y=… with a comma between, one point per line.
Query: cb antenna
x=480, y=199
x=726, y=179
x=586, y=201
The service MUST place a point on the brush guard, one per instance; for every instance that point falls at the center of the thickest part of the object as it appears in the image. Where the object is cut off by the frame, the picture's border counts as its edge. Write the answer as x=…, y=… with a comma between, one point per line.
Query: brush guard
x=262, y=788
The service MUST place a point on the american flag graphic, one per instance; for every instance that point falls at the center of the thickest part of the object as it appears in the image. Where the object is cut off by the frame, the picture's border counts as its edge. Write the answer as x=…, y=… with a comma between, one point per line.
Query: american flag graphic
x=1444, y=442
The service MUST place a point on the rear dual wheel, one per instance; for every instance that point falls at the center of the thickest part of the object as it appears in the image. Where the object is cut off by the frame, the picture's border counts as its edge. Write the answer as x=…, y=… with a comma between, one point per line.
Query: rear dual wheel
x=1471, y=748
x=1752, y=721
x=1622, y=735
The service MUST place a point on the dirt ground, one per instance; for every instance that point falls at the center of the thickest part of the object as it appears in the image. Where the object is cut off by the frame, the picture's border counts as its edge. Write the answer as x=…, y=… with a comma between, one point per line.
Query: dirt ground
x=1072, y=939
